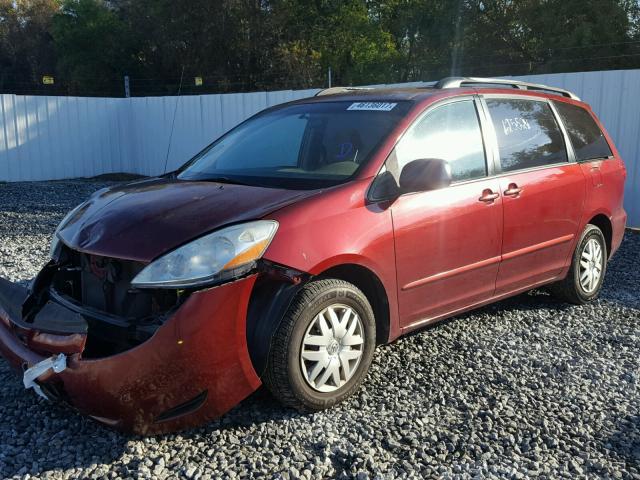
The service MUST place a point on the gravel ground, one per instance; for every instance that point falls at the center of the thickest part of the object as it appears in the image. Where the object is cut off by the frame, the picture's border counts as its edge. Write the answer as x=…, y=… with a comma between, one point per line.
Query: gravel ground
x=522, y=388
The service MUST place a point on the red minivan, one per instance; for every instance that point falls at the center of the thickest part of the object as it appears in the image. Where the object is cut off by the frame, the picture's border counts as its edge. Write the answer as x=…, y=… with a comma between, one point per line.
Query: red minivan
x=289, y=248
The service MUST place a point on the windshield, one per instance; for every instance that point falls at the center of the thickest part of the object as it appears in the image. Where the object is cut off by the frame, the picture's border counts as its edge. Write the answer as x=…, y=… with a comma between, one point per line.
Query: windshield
x=302, y=146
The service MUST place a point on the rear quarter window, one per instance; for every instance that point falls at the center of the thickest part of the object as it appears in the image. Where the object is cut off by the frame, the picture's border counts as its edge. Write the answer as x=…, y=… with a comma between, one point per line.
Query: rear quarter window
x=528, y=134
x=587, y=139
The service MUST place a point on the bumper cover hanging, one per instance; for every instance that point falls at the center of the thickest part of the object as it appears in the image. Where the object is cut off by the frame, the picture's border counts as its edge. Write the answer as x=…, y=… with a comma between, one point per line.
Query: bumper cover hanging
x=200, y=348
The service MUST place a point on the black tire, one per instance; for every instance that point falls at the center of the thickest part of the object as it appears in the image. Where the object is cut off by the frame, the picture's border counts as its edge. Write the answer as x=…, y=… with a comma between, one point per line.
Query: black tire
x=570, y=289
x=284, y=376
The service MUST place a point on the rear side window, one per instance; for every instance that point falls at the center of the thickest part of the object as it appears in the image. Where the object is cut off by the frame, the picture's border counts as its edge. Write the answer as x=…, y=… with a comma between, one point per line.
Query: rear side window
x=586, y=137
x=528, y=134
x=450, y=132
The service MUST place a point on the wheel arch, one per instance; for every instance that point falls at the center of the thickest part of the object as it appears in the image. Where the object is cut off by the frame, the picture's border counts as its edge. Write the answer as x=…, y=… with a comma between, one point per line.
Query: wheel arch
x=276, y=288
x=372, y=287
x=604, y=224
x=272, y=295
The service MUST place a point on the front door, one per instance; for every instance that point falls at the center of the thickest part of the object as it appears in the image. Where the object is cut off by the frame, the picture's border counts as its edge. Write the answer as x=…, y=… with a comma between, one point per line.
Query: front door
x=543, y=193
x=447, y=241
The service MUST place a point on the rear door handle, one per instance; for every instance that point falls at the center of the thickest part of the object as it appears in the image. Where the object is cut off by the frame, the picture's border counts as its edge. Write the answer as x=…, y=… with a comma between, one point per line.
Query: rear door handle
x=488, y=196
x=513, y=190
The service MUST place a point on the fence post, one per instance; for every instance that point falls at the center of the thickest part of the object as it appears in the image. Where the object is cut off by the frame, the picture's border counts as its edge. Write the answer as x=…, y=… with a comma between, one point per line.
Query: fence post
x=127, y=90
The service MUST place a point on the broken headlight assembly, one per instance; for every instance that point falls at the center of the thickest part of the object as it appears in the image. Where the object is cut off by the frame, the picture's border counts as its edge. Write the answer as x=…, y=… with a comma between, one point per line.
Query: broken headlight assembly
x=219, y=256
x=55, y=241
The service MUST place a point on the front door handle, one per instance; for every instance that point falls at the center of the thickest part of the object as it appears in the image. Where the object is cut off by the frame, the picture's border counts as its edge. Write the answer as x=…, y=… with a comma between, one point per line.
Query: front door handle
x=513, y=190
x=488, y=196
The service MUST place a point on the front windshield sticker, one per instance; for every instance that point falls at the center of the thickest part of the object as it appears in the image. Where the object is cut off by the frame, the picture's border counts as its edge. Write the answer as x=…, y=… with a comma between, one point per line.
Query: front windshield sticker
x=373, y=106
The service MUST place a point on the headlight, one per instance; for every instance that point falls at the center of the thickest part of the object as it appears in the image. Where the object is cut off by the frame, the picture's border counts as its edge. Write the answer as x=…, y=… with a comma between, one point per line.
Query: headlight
x=216, y=256
x=55, y=241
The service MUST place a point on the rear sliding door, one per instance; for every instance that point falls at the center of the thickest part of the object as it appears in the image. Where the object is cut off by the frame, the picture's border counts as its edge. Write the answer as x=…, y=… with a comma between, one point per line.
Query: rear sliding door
x=543, y=191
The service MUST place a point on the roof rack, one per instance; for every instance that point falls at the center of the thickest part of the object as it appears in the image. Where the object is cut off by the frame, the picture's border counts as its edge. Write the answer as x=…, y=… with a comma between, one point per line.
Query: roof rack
x=337, y=90
x=457, y=82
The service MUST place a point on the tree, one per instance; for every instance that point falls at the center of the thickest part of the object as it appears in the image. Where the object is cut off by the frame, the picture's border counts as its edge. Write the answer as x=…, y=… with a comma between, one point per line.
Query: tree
x=93, y=46
x=343, y=35
x=537, y=36
x=424, y=32
x=240, y=45
x=26, y=46
x=227, y=41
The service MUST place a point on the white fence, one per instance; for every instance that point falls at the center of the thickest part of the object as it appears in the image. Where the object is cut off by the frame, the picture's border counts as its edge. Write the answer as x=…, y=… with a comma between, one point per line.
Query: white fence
x=45, y=138
x=48, y=138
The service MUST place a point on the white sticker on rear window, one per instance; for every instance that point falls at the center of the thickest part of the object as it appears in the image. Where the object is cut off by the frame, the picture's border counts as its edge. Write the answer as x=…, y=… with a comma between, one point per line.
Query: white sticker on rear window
x=510, y=125
x=373, y=106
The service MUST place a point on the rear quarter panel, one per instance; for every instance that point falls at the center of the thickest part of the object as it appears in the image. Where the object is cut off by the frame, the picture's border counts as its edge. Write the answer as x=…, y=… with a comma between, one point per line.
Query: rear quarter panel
x=605, y=189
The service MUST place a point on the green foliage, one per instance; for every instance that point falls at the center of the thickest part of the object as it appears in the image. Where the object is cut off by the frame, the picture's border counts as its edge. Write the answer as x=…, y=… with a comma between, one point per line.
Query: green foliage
x=342, y=35
x=92, y=45
x=239, y=45
x=559, y=35
x=26, y=48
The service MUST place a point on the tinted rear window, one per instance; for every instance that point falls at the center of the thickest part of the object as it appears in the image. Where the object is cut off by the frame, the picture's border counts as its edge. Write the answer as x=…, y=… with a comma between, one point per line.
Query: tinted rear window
x=586, y=137
x=528, y=134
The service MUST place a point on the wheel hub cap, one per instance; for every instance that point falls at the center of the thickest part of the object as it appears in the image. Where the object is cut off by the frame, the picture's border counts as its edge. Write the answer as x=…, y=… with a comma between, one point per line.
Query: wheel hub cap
x=332, y=348
x=591, y=265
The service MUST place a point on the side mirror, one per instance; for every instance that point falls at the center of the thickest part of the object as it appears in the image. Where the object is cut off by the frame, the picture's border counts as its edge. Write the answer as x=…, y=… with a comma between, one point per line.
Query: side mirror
x=424, y=175
x=384, y=187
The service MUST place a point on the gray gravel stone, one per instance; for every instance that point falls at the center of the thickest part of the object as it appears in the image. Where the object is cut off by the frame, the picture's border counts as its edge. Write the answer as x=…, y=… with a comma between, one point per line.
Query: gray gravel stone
x=525, y=387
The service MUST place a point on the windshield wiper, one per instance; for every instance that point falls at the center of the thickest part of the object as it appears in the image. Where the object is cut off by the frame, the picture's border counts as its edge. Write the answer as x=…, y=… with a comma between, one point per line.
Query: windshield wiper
x=231, y=181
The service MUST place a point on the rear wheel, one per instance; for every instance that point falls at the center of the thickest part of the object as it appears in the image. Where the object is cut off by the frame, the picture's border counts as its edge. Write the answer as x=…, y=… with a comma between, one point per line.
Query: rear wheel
x=323, y=347
x=586, y=275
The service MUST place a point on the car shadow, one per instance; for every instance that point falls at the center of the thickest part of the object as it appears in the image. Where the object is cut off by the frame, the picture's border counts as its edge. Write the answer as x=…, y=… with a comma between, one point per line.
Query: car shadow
x=78, y=442
x=625, y=441
x=531, y=300
x=81, y=443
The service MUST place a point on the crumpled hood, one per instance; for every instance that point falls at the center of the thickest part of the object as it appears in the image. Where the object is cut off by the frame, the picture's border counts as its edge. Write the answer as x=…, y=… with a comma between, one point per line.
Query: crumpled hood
x=142, y=220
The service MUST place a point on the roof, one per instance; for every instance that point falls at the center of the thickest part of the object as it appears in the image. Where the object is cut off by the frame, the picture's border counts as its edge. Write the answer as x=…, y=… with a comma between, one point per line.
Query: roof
x=449, y=83
x=375, y=94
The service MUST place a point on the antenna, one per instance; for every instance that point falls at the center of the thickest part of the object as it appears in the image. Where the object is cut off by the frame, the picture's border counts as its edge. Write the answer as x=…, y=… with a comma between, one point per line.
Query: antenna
x=173, y=122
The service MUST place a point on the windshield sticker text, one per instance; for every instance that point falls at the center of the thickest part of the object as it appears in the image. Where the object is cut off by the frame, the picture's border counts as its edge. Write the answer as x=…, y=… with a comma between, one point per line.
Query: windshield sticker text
x=373, y=106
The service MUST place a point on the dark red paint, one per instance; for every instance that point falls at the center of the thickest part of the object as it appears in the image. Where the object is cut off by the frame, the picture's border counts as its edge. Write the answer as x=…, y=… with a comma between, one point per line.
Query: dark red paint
x=435, y=253
x=202, y=347
x=142, y=220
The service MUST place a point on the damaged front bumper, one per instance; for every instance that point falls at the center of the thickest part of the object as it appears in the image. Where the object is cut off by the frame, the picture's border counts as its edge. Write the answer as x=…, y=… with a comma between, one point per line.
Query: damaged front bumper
x=195, y=367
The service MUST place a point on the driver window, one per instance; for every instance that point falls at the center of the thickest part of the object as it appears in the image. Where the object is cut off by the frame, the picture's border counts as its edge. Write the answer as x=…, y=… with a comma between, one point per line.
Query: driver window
x=452, y=133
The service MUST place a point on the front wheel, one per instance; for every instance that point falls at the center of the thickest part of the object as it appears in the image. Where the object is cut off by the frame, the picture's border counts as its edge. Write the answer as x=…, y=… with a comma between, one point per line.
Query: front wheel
x=322, y=349
x=586, y=275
